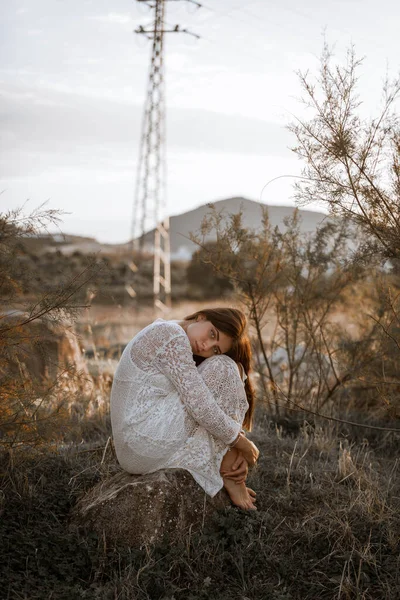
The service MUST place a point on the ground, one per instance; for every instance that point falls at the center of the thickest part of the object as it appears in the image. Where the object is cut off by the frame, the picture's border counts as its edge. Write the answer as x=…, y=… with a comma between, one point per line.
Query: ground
x=327, y=526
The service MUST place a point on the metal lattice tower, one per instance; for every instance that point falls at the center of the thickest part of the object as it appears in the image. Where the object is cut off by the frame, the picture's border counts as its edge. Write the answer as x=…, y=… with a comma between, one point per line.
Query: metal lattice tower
x=149, y=206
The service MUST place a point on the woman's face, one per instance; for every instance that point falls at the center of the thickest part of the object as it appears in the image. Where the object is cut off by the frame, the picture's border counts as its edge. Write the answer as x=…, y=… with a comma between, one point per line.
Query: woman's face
x=206, y=340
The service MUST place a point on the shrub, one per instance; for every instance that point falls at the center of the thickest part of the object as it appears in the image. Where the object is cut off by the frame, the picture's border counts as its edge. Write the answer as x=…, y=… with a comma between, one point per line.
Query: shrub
x=27, y=403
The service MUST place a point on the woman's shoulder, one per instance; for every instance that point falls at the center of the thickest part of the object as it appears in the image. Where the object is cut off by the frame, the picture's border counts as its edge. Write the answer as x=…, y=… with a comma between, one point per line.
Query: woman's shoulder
x=172, y=327
x=163, y=331
x=154, y=340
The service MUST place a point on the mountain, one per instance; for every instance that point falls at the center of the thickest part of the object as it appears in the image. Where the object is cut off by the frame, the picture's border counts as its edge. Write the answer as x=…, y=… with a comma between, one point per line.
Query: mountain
x=182, y=225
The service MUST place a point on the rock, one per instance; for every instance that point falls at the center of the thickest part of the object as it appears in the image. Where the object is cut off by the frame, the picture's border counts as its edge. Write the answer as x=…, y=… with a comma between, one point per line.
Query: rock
x=43, y=352
x=134, y=510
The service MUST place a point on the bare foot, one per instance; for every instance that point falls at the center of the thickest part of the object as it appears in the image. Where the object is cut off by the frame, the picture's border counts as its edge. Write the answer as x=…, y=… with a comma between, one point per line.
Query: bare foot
x=240, y=495
x=252, y=494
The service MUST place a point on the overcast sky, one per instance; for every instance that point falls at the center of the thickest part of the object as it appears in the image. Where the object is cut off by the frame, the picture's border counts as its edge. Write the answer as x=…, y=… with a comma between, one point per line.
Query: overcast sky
x=73, y=79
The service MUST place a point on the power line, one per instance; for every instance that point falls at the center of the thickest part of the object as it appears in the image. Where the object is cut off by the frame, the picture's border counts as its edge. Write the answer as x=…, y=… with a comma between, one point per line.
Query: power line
x=149, y=204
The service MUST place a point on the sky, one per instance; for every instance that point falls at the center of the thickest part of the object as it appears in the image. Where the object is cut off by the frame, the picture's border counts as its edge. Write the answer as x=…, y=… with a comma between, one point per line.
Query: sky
x=73, y=78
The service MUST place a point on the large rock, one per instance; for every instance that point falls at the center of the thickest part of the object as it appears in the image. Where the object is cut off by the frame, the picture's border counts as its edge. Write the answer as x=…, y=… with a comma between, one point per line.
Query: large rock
x=43, y=352
x=134, y=510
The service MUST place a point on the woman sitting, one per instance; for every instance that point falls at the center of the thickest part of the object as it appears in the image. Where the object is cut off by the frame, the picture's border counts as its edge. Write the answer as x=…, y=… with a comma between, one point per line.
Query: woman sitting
x=168, y=413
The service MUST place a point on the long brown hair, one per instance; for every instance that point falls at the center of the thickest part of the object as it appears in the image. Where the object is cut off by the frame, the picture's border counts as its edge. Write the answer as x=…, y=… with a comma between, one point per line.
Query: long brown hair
x=233, y=323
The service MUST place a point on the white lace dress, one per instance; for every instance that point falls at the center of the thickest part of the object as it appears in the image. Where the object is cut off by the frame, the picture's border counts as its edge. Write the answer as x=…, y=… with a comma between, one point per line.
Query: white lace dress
x=166, y=413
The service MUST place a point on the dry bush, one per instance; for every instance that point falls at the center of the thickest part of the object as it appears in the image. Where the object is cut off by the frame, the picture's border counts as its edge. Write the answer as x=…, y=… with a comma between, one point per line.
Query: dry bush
x=292, y=285
x=351, y=164
x=378, y=385
x=295, y=287
x=33, y=385
x=201, y=277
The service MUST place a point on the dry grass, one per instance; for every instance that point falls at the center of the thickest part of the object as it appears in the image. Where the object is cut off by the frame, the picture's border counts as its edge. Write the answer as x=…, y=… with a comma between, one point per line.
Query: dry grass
x=327, y=526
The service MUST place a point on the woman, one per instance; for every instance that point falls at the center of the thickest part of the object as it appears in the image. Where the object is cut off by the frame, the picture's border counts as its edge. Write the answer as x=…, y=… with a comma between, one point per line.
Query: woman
x=166, y=413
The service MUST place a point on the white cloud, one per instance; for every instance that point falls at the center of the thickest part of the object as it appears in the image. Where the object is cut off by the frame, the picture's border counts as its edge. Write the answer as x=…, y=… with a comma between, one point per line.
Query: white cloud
x=115, y=18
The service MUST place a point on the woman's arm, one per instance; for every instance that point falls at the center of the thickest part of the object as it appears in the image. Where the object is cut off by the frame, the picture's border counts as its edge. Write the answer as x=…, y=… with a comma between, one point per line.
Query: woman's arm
x=222, y=377
x=175, y=360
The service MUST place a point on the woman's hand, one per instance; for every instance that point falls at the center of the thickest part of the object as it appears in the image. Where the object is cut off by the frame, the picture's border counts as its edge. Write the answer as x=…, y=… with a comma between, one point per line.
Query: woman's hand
x=238, y=471
x=249, y=450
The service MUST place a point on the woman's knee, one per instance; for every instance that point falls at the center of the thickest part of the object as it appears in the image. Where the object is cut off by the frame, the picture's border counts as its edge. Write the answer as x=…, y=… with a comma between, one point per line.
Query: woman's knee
x=221, y=376
x=220, y=366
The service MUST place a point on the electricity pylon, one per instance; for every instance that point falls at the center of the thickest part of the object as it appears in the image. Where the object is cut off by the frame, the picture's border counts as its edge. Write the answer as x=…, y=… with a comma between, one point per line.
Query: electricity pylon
x=149, y=205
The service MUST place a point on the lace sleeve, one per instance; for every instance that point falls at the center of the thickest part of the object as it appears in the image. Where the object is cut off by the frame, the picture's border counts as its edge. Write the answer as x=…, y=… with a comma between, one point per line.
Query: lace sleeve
x=175, y=360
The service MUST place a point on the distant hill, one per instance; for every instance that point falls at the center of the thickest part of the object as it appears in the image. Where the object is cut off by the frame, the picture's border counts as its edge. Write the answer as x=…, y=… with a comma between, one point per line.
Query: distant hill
x=182, y=225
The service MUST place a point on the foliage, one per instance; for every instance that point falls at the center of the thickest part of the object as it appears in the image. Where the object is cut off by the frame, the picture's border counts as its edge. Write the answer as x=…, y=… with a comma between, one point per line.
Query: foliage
x=27, y=306
x=202, y=277
x=295, y=287
x=294, y=282
x=351, y=164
